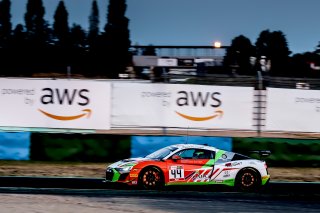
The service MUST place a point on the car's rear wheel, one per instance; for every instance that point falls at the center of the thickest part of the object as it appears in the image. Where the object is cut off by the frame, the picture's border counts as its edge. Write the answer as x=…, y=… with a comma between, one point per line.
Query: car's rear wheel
x=151, y=178
x=248, y=180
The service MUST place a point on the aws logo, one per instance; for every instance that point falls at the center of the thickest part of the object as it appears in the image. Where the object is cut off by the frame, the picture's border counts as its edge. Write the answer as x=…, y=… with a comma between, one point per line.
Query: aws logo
x=200, y=99
x=66, y=97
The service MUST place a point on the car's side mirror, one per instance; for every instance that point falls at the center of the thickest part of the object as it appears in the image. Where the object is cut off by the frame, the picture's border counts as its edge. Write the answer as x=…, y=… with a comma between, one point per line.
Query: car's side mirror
x=176, y=157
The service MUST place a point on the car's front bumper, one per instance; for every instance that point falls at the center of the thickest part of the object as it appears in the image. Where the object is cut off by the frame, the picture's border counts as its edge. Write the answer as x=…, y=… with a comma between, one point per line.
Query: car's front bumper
x=112, y=175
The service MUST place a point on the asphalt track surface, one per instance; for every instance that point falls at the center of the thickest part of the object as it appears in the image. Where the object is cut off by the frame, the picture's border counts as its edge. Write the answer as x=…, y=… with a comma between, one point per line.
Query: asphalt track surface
x=106, y=197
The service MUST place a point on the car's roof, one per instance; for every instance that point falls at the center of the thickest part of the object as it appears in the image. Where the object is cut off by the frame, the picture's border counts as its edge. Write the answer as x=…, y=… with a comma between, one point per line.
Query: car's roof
x=196, y=146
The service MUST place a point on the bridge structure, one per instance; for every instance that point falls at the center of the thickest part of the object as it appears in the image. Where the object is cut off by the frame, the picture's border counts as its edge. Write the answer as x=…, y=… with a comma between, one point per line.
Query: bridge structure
x=172, y=59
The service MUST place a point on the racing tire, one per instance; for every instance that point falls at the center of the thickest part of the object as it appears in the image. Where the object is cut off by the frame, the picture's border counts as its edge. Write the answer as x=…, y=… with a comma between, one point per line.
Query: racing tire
x=151, y=178
x=248, y=180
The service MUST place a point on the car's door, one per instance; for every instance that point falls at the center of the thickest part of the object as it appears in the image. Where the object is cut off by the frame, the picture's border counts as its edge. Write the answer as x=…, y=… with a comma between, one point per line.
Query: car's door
x=186, y=167
x=179, y=166
x=204, y=166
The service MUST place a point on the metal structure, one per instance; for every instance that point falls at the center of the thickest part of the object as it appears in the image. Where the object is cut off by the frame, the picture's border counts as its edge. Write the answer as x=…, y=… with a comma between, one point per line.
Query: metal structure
x=178, y=51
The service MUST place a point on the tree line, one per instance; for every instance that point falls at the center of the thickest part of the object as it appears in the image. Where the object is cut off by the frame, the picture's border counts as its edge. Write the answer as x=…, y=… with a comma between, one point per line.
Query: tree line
x=38, y=47
x=270, y=55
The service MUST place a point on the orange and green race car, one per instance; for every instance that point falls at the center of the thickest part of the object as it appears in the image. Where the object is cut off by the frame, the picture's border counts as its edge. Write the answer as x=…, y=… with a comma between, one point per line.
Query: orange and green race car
x=190, y=164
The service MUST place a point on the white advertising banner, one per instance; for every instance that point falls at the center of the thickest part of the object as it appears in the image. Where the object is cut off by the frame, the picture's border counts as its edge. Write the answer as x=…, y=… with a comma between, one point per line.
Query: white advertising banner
x=293, y=110
x=182, y=106
x=73, y=104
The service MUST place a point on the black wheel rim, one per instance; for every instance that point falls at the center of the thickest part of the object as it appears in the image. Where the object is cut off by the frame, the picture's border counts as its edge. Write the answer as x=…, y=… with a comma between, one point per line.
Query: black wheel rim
x=248, y=179
x=151, y=179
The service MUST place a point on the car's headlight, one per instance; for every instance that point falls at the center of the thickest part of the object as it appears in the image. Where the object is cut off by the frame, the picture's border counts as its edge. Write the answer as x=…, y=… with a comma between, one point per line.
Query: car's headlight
x=108, y=169
x=124, y=169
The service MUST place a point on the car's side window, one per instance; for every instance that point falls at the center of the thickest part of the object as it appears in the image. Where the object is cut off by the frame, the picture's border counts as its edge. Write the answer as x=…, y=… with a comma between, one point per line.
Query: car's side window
x=203, y=154
x=196, y=154
x=186, y=154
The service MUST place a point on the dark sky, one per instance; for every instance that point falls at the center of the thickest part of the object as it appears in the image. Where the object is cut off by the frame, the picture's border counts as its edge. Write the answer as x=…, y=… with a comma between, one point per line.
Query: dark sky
x=201, y=22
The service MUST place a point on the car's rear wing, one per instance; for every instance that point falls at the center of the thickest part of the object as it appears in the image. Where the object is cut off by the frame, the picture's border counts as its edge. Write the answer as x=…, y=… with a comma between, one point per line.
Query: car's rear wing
x=262, y=153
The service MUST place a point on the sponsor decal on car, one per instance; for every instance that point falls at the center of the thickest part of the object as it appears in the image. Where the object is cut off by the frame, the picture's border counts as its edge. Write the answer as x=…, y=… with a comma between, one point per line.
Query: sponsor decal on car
x=236, y=164
x=226, y=174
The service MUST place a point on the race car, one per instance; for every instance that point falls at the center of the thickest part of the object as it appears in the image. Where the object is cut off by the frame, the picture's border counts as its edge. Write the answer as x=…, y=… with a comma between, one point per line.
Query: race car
x=191, y=164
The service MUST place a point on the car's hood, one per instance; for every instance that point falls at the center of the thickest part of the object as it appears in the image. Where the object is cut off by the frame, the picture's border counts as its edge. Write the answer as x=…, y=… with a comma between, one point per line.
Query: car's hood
x=128, y=162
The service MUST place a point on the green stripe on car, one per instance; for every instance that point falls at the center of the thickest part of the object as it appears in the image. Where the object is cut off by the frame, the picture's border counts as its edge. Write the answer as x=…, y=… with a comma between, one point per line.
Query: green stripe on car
x=211, y=162
x=116, y=175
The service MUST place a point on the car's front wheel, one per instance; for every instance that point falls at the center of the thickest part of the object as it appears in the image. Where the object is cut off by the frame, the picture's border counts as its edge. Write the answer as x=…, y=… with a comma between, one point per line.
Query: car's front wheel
x=151, y=178
x=247, y=180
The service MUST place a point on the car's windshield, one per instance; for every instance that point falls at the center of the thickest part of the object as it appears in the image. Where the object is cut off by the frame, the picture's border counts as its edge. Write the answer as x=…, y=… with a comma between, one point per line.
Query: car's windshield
x=161, y=153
